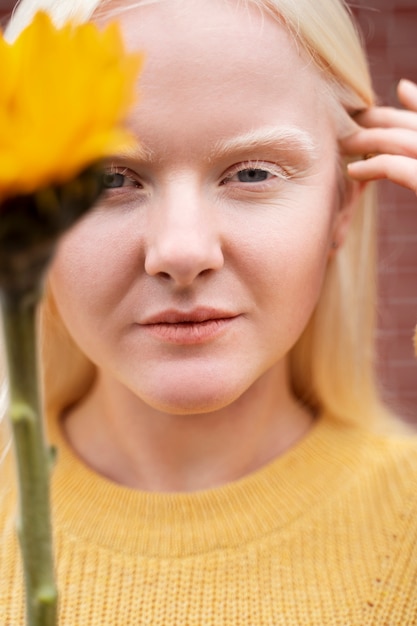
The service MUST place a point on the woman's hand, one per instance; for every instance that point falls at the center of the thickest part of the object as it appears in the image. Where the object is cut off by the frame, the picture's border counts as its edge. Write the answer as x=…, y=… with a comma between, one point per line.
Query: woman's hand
x=387, y=140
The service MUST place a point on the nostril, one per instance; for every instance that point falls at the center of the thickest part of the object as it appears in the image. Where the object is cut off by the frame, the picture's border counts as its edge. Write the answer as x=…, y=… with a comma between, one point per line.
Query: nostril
x=167, y=276
x=164, y=275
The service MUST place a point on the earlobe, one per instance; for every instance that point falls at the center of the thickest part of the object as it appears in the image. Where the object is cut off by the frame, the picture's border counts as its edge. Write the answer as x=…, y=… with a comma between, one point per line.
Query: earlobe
x=344, y=215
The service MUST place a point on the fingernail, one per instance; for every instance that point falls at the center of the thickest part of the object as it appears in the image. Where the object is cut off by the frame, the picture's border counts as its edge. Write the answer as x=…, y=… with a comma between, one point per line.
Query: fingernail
x=404, y=82
x=354, y=165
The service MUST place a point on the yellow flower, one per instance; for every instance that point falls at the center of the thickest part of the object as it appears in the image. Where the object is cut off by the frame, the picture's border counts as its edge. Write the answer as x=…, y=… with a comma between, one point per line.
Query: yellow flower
x=64, y=94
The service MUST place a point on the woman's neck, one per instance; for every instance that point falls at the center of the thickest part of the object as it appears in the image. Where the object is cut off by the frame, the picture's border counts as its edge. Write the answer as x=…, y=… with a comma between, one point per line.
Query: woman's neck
x=132, y=444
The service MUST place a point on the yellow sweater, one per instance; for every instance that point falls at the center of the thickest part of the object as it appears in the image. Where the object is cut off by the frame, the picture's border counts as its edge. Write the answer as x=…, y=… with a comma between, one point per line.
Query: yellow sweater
x=324, y=535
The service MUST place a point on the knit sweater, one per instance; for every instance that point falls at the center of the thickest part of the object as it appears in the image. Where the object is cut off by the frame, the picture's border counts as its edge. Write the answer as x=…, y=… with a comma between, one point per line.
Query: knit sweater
x=326, y=534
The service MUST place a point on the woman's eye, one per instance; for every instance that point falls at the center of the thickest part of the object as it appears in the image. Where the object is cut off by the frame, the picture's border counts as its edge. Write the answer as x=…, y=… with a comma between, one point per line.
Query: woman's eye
x=113, y=181
x=251, y=175
x=117, y=180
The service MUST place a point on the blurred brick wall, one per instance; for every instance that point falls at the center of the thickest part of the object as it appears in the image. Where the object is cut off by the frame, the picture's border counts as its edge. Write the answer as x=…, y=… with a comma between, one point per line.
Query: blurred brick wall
x=5, y=8
x=389, y=30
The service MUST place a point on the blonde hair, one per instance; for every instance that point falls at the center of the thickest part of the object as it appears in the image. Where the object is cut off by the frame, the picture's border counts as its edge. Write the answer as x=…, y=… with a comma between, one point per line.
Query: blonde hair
x=332, y=364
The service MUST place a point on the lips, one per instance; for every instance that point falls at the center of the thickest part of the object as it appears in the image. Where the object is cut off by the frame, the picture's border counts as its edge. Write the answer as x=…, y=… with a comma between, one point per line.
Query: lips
x=195, y=316
x=188, y=327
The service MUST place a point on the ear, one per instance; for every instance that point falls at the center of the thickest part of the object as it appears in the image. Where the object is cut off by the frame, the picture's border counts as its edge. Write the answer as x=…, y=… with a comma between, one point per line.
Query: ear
x=344, y=214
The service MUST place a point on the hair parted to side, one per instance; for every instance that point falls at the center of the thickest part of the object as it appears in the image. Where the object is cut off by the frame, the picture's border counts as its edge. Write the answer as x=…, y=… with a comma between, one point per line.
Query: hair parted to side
x=332, y=365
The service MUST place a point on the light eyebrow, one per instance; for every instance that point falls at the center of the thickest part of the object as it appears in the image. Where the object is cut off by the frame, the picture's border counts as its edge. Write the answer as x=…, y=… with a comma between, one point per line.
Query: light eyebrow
x=137, y=151
x=284, y=138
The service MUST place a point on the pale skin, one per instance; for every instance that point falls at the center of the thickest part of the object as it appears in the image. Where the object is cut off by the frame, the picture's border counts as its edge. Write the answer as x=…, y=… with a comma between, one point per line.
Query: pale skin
x=181, y=406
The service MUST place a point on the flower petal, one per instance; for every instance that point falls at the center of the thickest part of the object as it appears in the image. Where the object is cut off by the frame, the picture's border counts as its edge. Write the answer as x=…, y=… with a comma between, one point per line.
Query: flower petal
x=64, y=95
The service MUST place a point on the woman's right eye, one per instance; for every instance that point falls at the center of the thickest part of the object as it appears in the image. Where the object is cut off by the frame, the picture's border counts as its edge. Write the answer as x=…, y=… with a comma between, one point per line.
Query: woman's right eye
x=118, y=180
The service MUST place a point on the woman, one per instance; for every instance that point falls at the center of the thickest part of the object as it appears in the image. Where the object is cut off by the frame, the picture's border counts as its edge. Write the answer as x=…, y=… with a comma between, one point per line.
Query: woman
x=215, y=417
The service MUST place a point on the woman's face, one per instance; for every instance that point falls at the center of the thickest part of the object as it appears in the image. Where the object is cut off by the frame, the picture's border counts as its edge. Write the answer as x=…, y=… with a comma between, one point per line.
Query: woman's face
x=199, y=271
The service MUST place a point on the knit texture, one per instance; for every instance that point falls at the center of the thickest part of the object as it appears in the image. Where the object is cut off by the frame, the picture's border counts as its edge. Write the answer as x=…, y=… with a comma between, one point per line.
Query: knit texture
x=324, y=535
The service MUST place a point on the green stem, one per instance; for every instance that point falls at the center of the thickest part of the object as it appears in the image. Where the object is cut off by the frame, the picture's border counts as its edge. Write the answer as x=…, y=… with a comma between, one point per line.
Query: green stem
x=32, y=456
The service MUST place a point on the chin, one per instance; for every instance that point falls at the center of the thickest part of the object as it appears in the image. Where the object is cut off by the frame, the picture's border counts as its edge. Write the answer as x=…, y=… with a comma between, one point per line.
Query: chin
x=190, y=399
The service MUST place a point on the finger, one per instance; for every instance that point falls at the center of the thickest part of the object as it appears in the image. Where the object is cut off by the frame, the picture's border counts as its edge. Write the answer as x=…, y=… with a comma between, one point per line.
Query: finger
x=407, y=94
x=387, y=117
x=398, y=169
x=381, y=140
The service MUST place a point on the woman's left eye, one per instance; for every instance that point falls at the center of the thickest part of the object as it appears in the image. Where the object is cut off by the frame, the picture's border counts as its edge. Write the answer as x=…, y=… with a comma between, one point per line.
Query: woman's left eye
x=115, y=179
x=252, y=174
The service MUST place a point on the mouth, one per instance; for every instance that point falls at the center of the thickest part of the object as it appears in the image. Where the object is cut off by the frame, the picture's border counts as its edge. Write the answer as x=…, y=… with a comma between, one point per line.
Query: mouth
x=188, y=328
x=197, y=316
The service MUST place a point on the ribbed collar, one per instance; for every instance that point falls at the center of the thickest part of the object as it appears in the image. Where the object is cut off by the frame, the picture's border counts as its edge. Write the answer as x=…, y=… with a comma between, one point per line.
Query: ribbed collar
x=93, y=509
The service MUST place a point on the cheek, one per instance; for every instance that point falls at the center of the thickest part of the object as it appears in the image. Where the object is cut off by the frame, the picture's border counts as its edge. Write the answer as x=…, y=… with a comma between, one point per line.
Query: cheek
x=289, y=264
x=297, y=277
x=74, y=273
x=295, y=244
x=79, y=284
x=72, y=289
x=94, y=263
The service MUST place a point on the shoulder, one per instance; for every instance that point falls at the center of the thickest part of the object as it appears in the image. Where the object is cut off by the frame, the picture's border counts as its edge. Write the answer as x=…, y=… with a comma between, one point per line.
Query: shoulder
x=385, y=481
x=391, y=460
x=370, y=522
x=373, y=477
x=369, y=459
x=394, y=456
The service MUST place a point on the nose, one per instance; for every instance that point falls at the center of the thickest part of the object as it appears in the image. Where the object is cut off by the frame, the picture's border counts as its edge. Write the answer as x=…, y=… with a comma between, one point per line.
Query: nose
x=184, y=239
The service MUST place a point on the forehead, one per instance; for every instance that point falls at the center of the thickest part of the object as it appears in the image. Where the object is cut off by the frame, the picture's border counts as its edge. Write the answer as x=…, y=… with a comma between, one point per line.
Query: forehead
x=223, y=64
x=203, y=36
x=187, y=27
